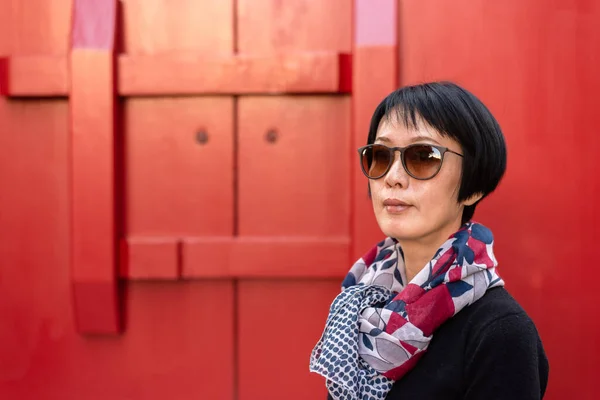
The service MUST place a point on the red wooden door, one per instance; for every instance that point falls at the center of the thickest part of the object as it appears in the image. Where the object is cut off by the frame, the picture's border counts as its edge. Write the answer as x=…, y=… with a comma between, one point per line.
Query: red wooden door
x=293, y=194
x=182, y=175
x=180, y=198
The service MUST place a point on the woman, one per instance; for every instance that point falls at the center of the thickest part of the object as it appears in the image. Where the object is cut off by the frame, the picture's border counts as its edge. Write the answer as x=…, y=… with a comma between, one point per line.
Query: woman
x=424, y=313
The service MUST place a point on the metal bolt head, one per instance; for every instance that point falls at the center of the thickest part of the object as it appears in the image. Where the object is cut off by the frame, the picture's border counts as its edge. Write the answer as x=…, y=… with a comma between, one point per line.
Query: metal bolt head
x=271, y=136
x=202, y=136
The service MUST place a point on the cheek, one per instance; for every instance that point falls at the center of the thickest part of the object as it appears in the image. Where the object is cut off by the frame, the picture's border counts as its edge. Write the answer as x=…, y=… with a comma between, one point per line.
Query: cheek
x=375, y=187
x=436, y=200
x=440, y=195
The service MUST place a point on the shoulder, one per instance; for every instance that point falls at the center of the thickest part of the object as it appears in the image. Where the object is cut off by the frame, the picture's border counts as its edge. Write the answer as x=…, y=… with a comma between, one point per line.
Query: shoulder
x=498, y=320
x=496, y=308
x=502, y=339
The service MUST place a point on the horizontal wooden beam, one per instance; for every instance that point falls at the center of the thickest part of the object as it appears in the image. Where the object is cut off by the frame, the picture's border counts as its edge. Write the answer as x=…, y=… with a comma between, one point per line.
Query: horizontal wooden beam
x=34, y=76
x=265, y=257
x=189, y=74
x=241, y=74
x=235, y=257
x=150, y=259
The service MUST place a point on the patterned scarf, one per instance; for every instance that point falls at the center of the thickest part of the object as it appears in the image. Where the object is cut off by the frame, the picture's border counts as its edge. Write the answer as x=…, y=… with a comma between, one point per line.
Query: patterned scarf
x=378, y=327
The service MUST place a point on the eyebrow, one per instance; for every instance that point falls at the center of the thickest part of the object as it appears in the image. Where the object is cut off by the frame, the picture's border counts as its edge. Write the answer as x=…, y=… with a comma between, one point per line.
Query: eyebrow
x=413, y=139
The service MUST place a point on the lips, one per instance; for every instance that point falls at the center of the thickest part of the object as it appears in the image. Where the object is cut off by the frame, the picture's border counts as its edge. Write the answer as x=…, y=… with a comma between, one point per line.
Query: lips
x=395, y=206
x=395, y=203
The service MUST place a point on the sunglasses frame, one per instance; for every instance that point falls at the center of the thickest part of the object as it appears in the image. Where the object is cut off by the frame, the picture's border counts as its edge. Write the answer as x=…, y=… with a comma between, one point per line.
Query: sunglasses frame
x=402, y=150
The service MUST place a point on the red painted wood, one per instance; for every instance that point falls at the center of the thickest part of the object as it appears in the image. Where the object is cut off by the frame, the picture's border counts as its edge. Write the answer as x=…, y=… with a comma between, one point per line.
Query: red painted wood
x=536, y=67
x=169, y=167
x=251, y=257
x=35, y=299
x=4, y=76
x=33, y=76
x=307, y=72
x=35, y=27
x=293, y=199
x=178, y=343
x=94, y=24
x=375, y=75
x=173, y=329
x=176, y=149
x=296, y=185
x=155, y=27
x=376, y=24
x=93, y=144
x=295, y=311
x=150, y=258
x=273, y=26
x=319, y=72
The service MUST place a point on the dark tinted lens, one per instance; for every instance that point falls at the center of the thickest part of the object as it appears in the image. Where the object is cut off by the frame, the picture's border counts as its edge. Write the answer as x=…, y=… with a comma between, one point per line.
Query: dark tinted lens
x=375, y=160
x=422, y=161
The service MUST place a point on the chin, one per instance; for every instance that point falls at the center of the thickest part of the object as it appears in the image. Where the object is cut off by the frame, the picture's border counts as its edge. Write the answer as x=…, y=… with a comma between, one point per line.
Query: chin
x=400, y=228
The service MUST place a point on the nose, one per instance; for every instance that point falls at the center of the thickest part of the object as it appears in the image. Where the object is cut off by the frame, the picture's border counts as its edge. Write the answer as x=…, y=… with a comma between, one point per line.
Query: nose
x=396, y=176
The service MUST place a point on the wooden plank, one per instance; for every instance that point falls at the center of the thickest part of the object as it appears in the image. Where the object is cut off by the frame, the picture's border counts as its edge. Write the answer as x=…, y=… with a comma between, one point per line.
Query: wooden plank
x=150, y=259
x=189, y=73
x=266, y=257
x=170, y=327
x=176, y=149
x=375, y=75
x=93, y=132
x=294, y=169
x=158, y=26
x=273, y=26
x=195, y=73
x=299, y=307
x=34, y=76
x=35, y=27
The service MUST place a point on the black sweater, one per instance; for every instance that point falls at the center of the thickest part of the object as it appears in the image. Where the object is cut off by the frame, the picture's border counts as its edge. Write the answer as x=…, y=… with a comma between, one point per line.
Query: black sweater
x=488, y=351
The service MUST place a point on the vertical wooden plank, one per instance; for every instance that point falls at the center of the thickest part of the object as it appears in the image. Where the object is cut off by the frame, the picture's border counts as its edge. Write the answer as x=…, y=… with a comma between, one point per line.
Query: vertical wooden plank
x=93, y=132
x=34, y=219
x=294, y=201
x=375, y=75
x=293, y=166
x=179, y=166
x=280, y=321
x=164, y=26
x=179, y=343
x=34, y=232
x=271, y=26
x=37, y=27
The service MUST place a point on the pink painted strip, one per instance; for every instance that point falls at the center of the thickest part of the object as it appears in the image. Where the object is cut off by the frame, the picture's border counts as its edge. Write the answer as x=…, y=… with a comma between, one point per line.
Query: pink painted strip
x=376, y=22
x=94, y=24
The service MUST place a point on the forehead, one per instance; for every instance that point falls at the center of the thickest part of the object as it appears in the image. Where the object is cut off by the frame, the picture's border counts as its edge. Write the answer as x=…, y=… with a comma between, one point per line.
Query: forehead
x=393, y=130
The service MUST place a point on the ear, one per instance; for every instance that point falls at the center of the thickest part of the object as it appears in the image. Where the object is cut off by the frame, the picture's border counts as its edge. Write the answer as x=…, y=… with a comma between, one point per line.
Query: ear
x=473, y=199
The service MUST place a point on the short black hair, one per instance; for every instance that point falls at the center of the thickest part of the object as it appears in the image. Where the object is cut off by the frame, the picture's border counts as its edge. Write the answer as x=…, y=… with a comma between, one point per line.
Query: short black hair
x=456, y=113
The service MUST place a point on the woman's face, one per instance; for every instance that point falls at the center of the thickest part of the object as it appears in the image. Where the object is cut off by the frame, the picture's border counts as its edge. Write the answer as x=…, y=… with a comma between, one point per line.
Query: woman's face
x=431, y=211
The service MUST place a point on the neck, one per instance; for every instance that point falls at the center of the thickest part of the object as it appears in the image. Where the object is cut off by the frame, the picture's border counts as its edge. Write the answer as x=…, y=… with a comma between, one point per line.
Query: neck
x=418, y=253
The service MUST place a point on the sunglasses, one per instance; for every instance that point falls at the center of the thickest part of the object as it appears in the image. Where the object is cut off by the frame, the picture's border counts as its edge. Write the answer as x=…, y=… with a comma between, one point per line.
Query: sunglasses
x=421, y=161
